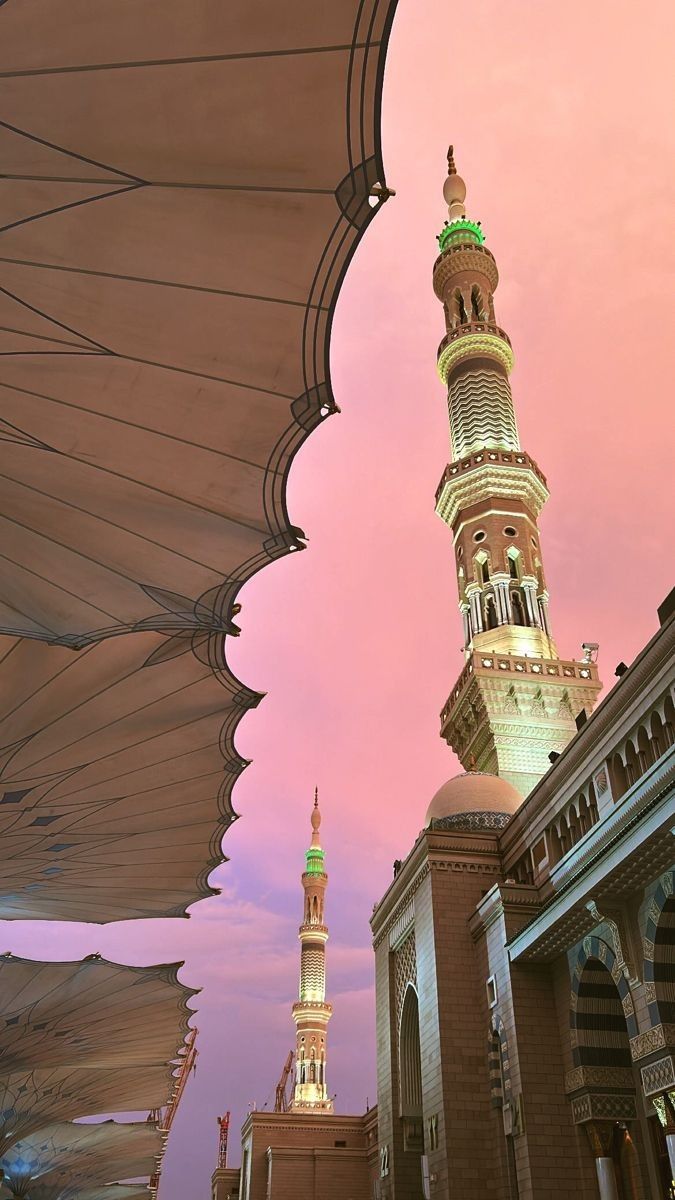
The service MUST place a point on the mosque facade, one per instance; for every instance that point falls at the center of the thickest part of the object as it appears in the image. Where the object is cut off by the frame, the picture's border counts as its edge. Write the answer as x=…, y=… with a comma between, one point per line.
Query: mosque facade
x=525, y=949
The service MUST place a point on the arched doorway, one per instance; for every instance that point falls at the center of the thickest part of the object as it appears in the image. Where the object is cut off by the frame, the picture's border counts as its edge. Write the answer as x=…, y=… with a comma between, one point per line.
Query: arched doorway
x=603, y=1041
x=410, y=1066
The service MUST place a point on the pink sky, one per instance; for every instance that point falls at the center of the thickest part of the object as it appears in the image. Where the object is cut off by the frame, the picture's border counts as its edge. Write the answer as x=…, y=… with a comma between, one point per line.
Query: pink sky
x=561, y=117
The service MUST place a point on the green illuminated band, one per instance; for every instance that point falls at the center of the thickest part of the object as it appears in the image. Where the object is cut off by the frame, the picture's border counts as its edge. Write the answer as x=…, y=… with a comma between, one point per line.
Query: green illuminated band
x=314, y=859
x=470, y=344
x=462, y=230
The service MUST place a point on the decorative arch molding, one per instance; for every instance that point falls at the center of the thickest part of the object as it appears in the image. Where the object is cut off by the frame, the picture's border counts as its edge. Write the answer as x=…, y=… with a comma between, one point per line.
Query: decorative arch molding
x=659, y=953
x=410, y=1056
x=602, y=1019
x=596, y=958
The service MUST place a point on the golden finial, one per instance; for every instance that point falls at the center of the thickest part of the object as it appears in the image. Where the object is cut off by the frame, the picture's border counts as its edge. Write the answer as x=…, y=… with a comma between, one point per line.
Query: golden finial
x=452, y=169
x=316, y=819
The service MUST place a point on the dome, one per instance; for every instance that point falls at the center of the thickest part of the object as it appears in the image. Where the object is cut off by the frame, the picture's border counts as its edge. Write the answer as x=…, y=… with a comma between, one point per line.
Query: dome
x=474, y=799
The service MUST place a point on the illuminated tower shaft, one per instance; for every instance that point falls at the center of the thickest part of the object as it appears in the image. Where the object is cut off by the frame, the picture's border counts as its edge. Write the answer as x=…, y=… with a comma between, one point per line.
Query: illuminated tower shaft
x=311, y=1013
x=515, y=700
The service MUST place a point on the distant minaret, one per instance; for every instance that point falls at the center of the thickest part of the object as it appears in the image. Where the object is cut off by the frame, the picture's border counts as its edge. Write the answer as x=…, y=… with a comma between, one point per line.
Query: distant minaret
x=311, y=1013
x=515, y=700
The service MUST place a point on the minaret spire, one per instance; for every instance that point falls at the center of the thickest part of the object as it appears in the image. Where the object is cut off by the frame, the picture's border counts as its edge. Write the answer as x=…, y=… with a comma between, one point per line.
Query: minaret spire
x=516, y=700
x=311, y=1013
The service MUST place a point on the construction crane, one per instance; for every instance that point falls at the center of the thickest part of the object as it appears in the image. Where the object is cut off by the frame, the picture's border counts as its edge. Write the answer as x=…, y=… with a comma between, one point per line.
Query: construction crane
x=224, y=1126
x=281, y=1099
x=164, y=1117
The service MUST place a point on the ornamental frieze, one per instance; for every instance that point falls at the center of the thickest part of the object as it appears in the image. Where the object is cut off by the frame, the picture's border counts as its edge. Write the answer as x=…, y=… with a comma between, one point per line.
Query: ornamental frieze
x=658, y=1076
x=603, y=1106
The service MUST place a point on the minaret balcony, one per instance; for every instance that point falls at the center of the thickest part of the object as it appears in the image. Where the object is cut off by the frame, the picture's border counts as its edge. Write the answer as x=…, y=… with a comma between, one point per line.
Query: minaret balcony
x=568, y=671
x=311, y=1010
x=464, y=257
x=475, y=339
x=313, y=933
x=487, y=473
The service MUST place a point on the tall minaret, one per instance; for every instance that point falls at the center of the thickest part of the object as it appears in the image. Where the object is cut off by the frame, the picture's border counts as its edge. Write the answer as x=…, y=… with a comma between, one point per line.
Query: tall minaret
x=311, y=1013
x=515, y=700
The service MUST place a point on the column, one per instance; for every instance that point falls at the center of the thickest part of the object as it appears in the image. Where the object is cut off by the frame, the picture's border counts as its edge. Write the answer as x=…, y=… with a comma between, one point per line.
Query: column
x=474, y=594
x=502, y=597
x=668, y=1122
x=543, y=612
x=670, y=1142
x=466, y=622
x=600, y=1137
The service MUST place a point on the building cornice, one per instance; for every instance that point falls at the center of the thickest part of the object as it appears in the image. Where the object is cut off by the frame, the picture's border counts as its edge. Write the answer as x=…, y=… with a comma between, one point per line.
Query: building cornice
x=458, y=492
x=641, y=828
x=523, y=899
x=439, y=851
x=588, y=750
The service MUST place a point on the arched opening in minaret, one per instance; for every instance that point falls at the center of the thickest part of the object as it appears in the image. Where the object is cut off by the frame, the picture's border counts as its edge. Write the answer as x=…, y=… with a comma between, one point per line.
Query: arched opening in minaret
x=491, y=620
x=482, y=567
x=410, y=1067
x=513, y=558
x=476, y=304
x=460, y=308
x=517, y=609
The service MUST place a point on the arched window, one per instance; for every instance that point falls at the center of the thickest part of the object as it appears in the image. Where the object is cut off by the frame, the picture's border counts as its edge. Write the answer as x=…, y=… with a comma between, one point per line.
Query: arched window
x=460, y=308
x=490, y=613
x=643, y=750
x=483, y=568
x=669, y=722
x=517, y=609
x=513, y=566
x=617, y=774
x=565, y=841
x=476, y=304
x=555, y=850
x=632, y=766
x=573, y=823
x=592, y=805
x=584, y=820
x=658, y=742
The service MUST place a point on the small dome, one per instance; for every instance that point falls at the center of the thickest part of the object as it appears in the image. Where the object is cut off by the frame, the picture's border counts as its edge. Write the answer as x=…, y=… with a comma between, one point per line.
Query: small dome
x=475, y=792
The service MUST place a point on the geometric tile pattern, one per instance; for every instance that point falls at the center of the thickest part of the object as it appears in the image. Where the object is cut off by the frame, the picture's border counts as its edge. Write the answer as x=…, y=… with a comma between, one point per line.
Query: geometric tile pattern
x=405, y=972
x=658, y=1076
